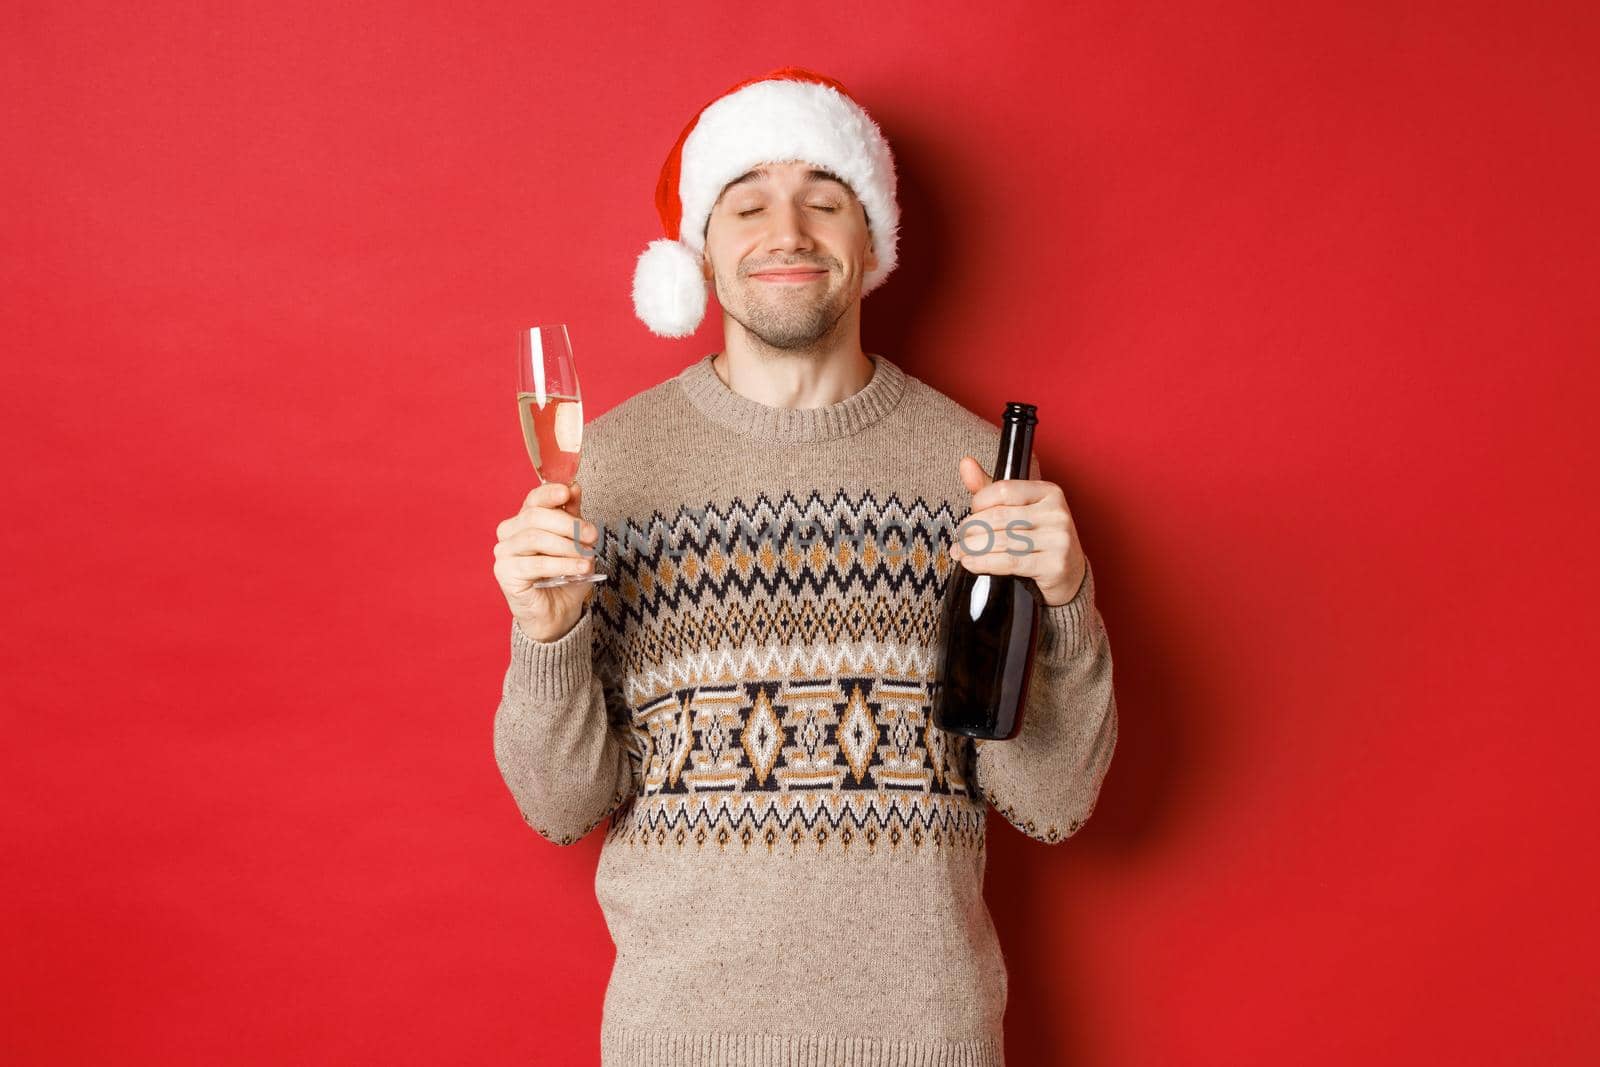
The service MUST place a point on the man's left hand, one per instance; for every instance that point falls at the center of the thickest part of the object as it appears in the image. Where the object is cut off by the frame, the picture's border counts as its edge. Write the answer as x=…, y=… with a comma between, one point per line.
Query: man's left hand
x=1042, y=542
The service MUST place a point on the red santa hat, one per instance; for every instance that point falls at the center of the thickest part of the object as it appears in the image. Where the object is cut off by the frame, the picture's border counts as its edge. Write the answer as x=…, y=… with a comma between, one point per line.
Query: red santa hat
x=789, y=114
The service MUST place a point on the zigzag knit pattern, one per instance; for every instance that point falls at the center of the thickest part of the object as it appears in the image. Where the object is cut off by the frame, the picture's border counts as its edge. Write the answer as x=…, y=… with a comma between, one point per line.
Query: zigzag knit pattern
x=796, y=713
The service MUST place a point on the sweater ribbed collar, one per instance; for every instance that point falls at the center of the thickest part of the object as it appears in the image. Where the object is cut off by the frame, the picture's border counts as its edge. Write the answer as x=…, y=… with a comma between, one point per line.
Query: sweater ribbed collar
x=762, y=421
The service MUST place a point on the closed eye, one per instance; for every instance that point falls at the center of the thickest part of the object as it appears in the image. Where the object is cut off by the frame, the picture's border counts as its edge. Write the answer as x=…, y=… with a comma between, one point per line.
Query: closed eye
x=820, y=207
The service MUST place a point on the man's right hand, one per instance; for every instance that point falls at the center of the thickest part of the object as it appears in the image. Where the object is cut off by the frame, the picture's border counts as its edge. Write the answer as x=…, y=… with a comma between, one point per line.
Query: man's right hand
x=537, y=542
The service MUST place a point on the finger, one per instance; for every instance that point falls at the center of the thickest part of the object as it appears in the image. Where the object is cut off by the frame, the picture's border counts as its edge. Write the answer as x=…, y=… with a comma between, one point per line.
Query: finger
x=975, y=535
x=1013, y=540
x=979, y=526
x=548, y=495
x=1027, y=564
x=539, y=542
x=552, y=519
x=532, y=568
x=1012, y=491
x=973, y=476
x=1039, y=515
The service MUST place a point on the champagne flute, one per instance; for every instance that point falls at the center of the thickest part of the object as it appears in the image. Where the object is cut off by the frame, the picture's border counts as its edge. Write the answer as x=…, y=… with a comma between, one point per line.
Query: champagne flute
x=550, y=407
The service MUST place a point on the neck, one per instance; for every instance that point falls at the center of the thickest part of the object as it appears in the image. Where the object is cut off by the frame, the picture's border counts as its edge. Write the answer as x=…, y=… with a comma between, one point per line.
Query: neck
x=812, y=377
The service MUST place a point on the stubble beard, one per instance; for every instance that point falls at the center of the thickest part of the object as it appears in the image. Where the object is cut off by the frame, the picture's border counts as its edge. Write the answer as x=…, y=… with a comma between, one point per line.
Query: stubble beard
x=787, y=321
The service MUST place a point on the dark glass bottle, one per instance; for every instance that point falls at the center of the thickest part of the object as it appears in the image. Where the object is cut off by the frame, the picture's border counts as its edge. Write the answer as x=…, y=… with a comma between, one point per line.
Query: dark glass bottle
x=989, y=623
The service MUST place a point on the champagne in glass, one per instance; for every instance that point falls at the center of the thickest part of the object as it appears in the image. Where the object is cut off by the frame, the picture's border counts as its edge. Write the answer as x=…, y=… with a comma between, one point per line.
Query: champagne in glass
x=550, y=407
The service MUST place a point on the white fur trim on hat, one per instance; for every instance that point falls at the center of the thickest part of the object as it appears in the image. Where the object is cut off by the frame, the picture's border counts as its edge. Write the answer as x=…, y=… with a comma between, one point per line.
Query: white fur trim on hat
x=669, y=292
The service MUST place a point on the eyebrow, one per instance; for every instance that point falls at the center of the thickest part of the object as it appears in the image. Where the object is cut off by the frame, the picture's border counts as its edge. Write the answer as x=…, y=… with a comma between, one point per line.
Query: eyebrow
x=815, y=174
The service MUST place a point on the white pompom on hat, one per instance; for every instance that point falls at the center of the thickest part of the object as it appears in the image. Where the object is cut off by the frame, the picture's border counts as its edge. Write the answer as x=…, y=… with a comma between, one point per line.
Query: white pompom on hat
x=789, y=114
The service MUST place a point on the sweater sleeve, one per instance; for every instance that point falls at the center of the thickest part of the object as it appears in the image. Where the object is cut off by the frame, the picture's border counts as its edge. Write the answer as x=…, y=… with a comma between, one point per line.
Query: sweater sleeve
x=1045, y=781
x=560, y=754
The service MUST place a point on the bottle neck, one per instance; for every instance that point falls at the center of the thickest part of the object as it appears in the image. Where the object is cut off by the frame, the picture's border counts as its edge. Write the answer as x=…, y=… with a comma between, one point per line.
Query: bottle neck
x=1016, y=449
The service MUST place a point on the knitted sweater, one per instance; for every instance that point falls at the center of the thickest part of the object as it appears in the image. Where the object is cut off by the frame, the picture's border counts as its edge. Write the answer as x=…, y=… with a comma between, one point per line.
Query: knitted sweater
x=793, y=871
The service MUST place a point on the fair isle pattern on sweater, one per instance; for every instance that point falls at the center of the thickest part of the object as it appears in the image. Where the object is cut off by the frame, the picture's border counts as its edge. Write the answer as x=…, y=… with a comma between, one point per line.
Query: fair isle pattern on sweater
x=797, y=713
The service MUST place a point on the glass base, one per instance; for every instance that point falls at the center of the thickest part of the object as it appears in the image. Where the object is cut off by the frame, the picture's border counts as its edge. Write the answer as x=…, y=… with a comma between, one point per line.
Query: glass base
x=567, y=579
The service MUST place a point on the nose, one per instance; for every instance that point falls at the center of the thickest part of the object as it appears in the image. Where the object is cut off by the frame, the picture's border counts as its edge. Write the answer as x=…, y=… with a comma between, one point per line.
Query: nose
x=789, y=233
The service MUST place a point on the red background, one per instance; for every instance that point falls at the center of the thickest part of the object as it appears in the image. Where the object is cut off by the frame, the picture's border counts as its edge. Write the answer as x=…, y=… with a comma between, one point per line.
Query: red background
x=1306, y=295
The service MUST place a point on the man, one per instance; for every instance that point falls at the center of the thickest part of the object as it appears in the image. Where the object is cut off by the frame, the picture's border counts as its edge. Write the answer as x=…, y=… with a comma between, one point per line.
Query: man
x=794, y=866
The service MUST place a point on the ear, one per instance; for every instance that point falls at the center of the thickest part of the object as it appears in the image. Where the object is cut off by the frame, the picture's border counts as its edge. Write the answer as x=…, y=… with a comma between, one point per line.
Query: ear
x=705, y=244
x=869, y=262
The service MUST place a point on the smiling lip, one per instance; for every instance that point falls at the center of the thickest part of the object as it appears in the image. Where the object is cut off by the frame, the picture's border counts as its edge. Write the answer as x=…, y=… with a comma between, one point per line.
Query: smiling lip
x=790, y=277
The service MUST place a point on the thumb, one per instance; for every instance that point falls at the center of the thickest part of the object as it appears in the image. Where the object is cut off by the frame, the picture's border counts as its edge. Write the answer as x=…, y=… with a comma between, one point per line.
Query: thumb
x=972, y=475
x=574, y=504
